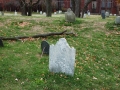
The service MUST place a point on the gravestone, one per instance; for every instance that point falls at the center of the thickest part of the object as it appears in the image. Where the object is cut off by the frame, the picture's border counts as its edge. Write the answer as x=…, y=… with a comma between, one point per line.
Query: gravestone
x=40, y=12
x=44, y=13
x=37, y=11
x=2, y=13
x=45, y=47
x=15, y=13
x=69, y=15
x=62, y=58
x=55, y=12
x=103, y=14
x=1, y=43
x=110, y=14
x=84, y=16
x=60, y=12
x=88, y=12
x=107, y=14
x=117, y=20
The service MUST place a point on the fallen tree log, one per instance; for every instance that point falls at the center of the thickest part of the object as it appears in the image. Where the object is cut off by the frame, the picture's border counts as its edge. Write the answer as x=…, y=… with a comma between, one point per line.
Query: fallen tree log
x=37, y=36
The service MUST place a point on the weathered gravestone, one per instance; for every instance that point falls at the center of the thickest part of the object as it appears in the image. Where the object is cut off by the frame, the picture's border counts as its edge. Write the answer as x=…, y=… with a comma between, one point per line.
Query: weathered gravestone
x=55, y=12
x=45, y=47
x=117, y=20
x=107, y=14
x=60, y=12
x=40, y=12
x=44, y=13
x=15, y=13
x=62, y=58
x=1, y=43
x=69, y=15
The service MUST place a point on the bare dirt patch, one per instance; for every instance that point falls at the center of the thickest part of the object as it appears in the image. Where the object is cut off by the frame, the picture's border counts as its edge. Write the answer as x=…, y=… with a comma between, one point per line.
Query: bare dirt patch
x=1, y=24
x=23, y=24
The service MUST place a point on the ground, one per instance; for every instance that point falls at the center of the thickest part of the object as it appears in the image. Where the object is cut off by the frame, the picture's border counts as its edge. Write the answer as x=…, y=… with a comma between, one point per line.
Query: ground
x=97, y=44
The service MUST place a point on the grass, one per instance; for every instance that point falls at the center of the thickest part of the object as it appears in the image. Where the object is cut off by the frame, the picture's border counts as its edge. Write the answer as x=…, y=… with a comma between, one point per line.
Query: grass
x=97, y=54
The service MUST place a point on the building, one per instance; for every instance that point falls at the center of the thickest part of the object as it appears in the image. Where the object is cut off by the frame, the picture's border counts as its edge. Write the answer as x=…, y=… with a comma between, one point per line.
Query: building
x=94, y=7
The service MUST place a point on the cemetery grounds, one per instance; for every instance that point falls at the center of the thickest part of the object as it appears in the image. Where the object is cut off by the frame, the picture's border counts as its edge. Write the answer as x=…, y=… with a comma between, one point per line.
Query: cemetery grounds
x=97, y=44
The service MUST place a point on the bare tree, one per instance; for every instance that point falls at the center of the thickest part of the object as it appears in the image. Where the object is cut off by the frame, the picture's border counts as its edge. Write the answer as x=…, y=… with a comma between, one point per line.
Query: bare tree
x=73, y=5
x=77, y=8
x=43, y=5
x=118, y=7
x=48, y=8
x=26, y=6
x=85, y=6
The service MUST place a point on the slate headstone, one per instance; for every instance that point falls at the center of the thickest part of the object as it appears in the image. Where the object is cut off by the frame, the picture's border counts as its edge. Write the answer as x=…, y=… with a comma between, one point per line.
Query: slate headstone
x=1, y=43
x=103, y=14
x=62, y=58
x=45, y=47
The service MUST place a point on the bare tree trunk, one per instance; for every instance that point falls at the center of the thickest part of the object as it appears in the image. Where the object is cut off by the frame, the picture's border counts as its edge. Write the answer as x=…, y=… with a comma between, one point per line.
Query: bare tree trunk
x=85, y=7
x=30, y=10
x=27, y=6
x=73, y=5
x=24, y=10
x=49, y=8
x=77, y=8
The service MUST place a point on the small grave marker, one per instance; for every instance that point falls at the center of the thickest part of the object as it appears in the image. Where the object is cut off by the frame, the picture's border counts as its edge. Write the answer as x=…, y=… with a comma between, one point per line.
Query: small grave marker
x=69, y=15
x=117, y=20
x=1, y=43
x=107, y=14
x=45, y=47
x=103, y=14
x=40, y=12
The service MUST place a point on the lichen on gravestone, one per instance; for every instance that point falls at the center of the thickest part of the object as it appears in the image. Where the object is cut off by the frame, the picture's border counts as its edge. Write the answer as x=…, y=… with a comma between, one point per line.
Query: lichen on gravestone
x=62, y=58
x=69, y=15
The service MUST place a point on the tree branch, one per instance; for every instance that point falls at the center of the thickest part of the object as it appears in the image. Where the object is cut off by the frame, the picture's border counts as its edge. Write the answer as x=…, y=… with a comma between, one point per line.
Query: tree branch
x=36, y=36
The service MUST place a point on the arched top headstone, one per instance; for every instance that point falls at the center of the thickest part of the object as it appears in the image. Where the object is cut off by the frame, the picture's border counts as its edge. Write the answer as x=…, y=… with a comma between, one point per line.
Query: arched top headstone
x=45, y=47
x=69, y=15
x=68, y=10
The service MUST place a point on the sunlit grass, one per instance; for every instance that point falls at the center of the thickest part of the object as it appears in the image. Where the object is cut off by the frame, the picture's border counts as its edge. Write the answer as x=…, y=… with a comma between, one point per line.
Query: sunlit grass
x=23, y=67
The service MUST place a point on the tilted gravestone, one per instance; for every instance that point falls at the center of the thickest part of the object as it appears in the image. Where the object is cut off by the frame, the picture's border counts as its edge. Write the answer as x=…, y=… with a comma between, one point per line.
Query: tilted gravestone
x=45, y=47
x=62, y=58
x=117, y=20
x=1, y=43
x=69, y=16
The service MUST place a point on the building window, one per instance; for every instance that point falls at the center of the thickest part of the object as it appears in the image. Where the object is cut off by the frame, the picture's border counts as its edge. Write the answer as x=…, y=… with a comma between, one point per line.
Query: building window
x=103, y=3
x=109, y=3
x=94, y=4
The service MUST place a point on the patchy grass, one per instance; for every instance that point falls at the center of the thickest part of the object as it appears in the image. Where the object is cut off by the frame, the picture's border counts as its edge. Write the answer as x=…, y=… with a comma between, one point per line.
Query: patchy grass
x=97, y=58
x=113, y=26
